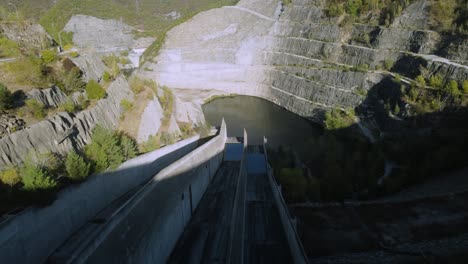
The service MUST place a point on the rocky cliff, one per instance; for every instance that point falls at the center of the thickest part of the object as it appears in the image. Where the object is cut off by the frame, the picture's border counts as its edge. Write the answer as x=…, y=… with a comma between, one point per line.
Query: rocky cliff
x=297, y=57
x=64, y=131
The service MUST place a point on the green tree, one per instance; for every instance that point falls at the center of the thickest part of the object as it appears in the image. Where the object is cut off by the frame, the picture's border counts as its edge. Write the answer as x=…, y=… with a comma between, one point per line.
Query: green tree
x=104, y=150
x=128, y=146
x=94, y=90
x=452, y=88
x=6, y=101
x=436, y=81
x=353, y=7
x=465, y=86
x=420, y=81
x=77, y=168
x=36, y=178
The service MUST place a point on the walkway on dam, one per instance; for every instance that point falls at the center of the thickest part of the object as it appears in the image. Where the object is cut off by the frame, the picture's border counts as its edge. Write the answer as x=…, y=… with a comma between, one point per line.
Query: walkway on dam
x=206, y=238
x=265, y=241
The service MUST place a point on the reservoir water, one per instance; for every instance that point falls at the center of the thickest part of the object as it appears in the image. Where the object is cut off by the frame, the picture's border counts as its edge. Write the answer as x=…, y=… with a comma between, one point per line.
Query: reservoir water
x=261, y=118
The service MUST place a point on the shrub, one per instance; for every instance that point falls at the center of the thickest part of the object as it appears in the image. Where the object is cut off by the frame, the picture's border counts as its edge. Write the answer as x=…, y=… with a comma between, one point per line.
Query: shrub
x=72, y=81
x=336, y=119
x=76, y=167
x=138, y=85
x=10, y=177
x=94, y=90
x=335, y=9
x=126, y=105
x=388, y=64
x=465, y=86
x=6, y=101
x=67, y=47
x=420, y=81
x=107, y=77
x=436, y=81
x=36, y=178
x=69, y=106
x=151, y=144
x=36, y=108
x=48, y=56
x=452, y=88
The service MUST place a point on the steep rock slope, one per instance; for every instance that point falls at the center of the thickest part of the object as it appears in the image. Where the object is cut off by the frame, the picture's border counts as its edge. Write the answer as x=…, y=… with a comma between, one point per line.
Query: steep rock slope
x=297, y=57
x=64, y=131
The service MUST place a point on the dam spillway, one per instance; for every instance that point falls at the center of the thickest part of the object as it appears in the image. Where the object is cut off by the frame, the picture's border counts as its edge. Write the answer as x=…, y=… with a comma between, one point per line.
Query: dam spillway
x=217, y=204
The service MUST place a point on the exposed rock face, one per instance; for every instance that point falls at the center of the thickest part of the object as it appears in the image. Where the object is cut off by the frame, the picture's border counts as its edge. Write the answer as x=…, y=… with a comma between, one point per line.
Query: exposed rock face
x=107, y=35
x=29, y=35
x=150, y=120
x=297, y=57
x=51, y=97
x=102, y=35
x=65, y=131
x=91, y=65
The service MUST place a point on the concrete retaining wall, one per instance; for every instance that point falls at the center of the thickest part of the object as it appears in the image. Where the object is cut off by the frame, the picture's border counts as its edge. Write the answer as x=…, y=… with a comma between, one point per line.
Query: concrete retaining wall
x=236, y=247
x=33, y=235
x=147, y=228
x=289, y=224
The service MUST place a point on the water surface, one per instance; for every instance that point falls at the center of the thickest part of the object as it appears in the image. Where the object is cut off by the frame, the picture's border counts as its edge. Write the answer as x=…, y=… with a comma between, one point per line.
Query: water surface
x=261, y=118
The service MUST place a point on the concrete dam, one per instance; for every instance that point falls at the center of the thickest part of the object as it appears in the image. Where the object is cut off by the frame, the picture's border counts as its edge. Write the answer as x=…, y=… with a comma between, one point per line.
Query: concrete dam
x=216, y=201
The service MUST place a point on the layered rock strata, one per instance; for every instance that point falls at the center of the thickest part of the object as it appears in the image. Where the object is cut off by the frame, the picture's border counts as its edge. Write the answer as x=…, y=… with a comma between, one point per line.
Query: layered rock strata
x=297, y=57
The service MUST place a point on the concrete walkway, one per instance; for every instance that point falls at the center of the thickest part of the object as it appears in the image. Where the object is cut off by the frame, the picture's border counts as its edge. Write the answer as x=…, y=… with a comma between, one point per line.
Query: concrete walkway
x=265, y=241
x=206, y=238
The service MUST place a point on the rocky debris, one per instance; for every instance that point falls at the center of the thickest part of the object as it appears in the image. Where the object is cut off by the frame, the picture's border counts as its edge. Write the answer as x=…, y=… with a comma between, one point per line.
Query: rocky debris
x=50, y=97
x=150, y=120
x=101, y=35
x=27, y=34
x=10, y=124
x=64, y=131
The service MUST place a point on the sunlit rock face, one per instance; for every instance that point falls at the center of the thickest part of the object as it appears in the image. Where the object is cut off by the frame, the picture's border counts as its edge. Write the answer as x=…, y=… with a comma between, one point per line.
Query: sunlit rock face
x=297, y=57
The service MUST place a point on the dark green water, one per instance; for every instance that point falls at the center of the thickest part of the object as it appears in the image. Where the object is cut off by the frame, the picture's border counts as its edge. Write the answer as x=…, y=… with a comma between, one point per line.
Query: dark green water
x=261, y=118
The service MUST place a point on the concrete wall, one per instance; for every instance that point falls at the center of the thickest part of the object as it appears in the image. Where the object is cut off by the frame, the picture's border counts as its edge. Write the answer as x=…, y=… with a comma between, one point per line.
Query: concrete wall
x=289, y=224
x=33, y=235
x=236, y=247
x=147, y=228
